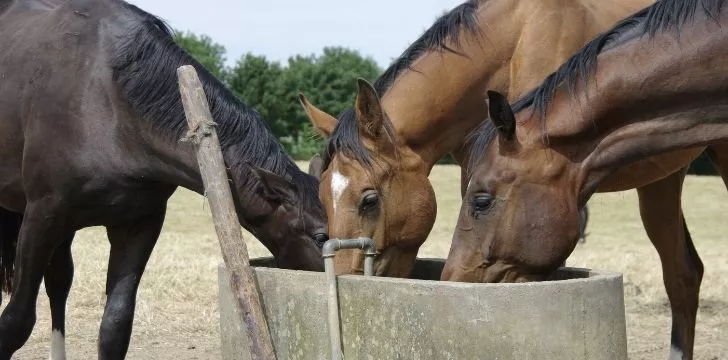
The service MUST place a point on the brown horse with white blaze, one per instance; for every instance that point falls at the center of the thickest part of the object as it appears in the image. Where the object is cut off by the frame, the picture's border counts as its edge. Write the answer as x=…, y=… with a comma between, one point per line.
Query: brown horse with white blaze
x=653, y=90
x=380, y=153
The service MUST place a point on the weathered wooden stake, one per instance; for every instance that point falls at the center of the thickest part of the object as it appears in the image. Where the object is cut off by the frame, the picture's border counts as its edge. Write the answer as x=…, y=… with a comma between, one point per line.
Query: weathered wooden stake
x=215, y=179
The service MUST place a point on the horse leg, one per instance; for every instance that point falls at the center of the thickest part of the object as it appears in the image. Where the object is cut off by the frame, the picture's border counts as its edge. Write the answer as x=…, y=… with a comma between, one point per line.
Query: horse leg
x=682, y=270
x=718, y=155
x=131, y=246
x=58, y=279
x=39, y=236
x=583, y=221
x=9, y=231
x=10, y=222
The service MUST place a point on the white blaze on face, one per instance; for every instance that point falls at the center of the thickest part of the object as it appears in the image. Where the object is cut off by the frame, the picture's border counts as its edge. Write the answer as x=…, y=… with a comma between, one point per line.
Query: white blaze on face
x=338, y=185
x=58, y=346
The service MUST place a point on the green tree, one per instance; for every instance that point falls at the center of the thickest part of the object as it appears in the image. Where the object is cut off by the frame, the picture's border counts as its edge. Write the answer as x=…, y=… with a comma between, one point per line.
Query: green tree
x=328, y=80
x=258, y=83
x=209, y=53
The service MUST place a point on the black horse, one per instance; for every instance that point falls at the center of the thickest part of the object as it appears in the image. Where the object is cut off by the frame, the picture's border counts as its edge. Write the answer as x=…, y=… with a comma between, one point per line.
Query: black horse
x=90, y=123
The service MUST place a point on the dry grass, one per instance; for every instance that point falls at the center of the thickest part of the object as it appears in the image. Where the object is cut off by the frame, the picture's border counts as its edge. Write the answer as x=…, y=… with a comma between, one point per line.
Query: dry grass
x=177, y=315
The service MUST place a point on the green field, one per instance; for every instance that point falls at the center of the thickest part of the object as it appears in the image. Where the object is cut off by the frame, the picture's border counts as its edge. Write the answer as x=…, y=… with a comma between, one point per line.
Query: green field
x=177, y=314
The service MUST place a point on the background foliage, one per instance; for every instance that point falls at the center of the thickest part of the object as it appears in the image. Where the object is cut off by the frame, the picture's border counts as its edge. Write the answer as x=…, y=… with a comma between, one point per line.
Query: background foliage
x=328, y=80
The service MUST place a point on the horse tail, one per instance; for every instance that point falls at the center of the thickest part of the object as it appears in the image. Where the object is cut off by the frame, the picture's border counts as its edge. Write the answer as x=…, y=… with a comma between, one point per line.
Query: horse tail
x=9, y=230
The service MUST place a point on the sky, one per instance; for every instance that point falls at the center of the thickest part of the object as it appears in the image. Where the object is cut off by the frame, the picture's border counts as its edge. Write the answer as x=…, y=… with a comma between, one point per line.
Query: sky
x=278, y=29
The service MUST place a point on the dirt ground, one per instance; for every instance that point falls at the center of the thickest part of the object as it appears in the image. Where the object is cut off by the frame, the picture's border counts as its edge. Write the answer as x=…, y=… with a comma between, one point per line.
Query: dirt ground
x=177, y=316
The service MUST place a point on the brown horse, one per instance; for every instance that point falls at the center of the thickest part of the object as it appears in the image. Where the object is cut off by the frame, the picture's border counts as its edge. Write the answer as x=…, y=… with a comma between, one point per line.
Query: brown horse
x=90, y=123
x=380, y=153
x=656, y=84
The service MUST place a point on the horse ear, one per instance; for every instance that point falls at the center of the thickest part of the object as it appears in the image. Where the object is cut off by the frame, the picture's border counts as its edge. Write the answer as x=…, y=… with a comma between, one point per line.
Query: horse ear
x=274, y=188
x=368, y=110
x=323, y=122
x=501, y=114
x=316, y=166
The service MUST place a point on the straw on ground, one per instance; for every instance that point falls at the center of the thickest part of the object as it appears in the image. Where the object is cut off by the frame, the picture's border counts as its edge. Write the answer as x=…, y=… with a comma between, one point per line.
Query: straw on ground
x=177, y=315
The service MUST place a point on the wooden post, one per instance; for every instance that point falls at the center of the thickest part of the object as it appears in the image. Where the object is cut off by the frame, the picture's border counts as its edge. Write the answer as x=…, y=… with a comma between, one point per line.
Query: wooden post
x=217, y=189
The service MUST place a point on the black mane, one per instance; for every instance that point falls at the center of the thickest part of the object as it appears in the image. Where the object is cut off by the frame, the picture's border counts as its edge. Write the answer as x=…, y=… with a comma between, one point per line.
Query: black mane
x=664, y=15
x=445, y=28
x=145, y=66
x=345, y=137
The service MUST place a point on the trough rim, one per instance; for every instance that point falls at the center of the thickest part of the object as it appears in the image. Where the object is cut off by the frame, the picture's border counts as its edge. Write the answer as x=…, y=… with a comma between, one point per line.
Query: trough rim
x=593, y=275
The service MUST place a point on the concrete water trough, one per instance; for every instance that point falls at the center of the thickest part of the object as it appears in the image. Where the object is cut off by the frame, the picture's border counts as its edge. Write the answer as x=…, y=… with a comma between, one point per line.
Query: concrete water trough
x=578, y=315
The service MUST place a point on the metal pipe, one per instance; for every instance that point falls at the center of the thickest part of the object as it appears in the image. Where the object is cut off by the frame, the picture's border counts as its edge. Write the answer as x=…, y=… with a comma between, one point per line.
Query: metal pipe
x=369, y=255
x=329, y=250
x=334, y=331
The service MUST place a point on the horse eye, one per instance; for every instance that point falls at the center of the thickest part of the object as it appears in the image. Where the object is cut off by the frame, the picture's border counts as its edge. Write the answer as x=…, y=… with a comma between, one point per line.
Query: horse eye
x=321, y=238
x=369, y=200
x=482, y=202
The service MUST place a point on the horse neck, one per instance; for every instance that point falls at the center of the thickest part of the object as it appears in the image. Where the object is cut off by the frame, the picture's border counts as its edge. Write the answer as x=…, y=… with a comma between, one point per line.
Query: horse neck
x=435, y=107
x=244, y=139
x=440, y=99
x=144, y=61
x=649, y=96
x=177, y=164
